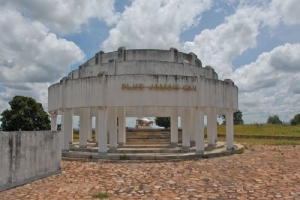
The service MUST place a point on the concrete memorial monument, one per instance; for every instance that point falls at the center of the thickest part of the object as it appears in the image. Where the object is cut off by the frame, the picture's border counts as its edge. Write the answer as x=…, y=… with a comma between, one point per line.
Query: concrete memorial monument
x=144, y=123
x=143, y=83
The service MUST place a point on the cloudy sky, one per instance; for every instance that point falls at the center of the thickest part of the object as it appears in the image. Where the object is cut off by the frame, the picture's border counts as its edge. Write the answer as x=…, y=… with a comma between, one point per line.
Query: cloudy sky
x=256, y=43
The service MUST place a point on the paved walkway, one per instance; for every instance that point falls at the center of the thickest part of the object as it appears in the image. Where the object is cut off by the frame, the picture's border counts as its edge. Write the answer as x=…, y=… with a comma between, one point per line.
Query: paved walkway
x=262, y=172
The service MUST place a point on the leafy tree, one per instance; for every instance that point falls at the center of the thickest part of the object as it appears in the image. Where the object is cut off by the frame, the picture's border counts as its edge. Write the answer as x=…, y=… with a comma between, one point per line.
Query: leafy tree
x=295, y=120
x=163, y=122
x=274, y=120
x=237, y=118
x=26, y=115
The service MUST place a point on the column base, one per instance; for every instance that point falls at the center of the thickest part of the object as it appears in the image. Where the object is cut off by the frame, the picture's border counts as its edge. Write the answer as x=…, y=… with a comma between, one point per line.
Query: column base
x=173, y=144
x=230, y=148
x=102, y=153
x=201, y=152
x=193, y=143
x=185, y=149
x=211, y=147
x=112, y=149
x=121, y=144
x=65, y=150
x=82, y=146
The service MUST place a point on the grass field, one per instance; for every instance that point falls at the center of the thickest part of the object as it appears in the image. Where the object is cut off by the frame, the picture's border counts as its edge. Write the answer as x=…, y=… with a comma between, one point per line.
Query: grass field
x=256, y=129
x=263, y=129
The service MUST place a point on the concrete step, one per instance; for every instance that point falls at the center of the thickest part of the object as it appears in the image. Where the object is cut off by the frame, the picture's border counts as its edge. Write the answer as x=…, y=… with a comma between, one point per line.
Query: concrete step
x=148, y=136
x=151, y=136
x=162, y=145
x=145, y=142
x=147, y=150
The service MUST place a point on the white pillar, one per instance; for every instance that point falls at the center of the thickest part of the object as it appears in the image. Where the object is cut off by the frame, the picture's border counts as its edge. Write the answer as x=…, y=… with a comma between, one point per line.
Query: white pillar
x=70, y=131
x=83, y=126
x=186, y=130
x=96, y=137
x=67, y=128
x=210, y=127
x=112, y=117
x=121, y=125
x=174, y=126
x=199, y=133
x=89, y=131
x=89, y=126
x=101, y=130
x=192, y=124
x=215, y=125
x=229, y=130
x=53, y=121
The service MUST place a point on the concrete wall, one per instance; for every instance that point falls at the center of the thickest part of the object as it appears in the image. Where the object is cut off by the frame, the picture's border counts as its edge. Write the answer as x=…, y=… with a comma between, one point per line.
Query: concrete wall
x=106, y=91
x=143, y=61
x=28, y=156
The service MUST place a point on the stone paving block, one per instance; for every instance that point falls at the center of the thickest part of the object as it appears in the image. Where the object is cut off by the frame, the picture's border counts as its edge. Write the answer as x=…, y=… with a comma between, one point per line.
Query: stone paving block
x=261, y=172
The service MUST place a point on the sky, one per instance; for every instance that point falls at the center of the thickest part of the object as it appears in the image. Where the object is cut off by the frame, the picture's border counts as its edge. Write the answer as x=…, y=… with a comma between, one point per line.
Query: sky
x=256, y=43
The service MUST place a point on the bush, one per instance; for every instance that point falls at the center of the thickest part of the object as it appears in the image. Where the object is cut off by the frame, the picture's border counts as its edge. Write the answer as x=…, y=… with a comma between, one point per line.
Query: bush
x=163, y=122
x=295, y=120
x=274, y=120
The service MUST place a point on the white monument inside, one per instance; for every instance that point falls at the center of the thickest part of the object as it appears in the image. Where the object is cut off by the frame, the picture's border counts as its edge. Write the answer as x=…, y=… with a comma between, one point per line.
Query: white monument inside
x=144, y=123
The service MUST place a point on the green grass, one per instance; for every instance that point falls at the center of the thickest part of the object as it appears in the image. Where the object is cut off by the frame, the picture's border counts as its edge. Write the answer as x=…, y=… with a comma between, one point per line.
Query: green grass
x=263, y=129
x=254, y=129
x=101, y=195
x=267, y=141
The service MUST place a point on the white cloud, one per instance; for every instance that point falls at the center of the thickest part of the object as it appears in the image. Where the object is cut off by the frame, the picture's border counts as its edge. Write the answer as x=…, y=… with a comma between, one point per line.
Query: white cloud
x=280, y=64
x=31, y=57
x=155, y=24
x=65, y=16
x=270, y=85
x=288, y=10
x=219, y=46
x=30, y=53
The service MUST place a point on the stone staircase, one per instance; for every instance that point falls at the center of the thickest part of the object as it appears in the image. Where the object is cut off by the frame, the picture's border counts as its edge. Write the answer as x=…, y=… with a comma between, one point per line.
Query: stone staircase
x=149, y=137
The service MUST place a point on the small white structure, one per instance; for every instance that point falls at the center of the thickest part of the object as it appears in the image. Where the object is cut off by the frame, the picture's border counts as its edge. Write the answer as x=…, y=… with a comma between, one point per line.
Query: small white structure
x=144, y=123
x=143, y=83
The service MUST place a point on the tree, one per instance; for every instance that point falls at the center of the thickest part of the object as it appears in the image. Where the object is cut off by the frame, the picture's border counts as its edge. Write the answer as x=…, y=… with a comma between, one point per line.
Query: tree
x=274, y=120
x=295, y=120
x=237, y=118
x=25, y=115
x=163, y=122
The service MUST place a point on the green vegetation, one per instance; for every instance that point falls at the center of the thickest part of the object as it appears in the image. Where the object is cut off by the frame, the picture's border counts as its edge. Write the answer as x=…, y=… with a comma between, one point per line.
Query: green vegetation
x=267, y=141
x=101, y=195
x=240, y=151
x=163, y=122
x=295, y=120
x=252, y=130
x=25, y=115
x=274, y=120
x=237, y=118
x=263, y=129
x=124, y=157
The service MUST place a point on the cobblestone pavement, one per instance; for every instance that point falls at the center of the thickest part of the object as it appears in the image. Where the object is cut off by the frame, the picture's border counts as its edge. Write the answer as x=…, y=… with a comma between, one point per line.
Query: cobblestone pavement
x=262, y=172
